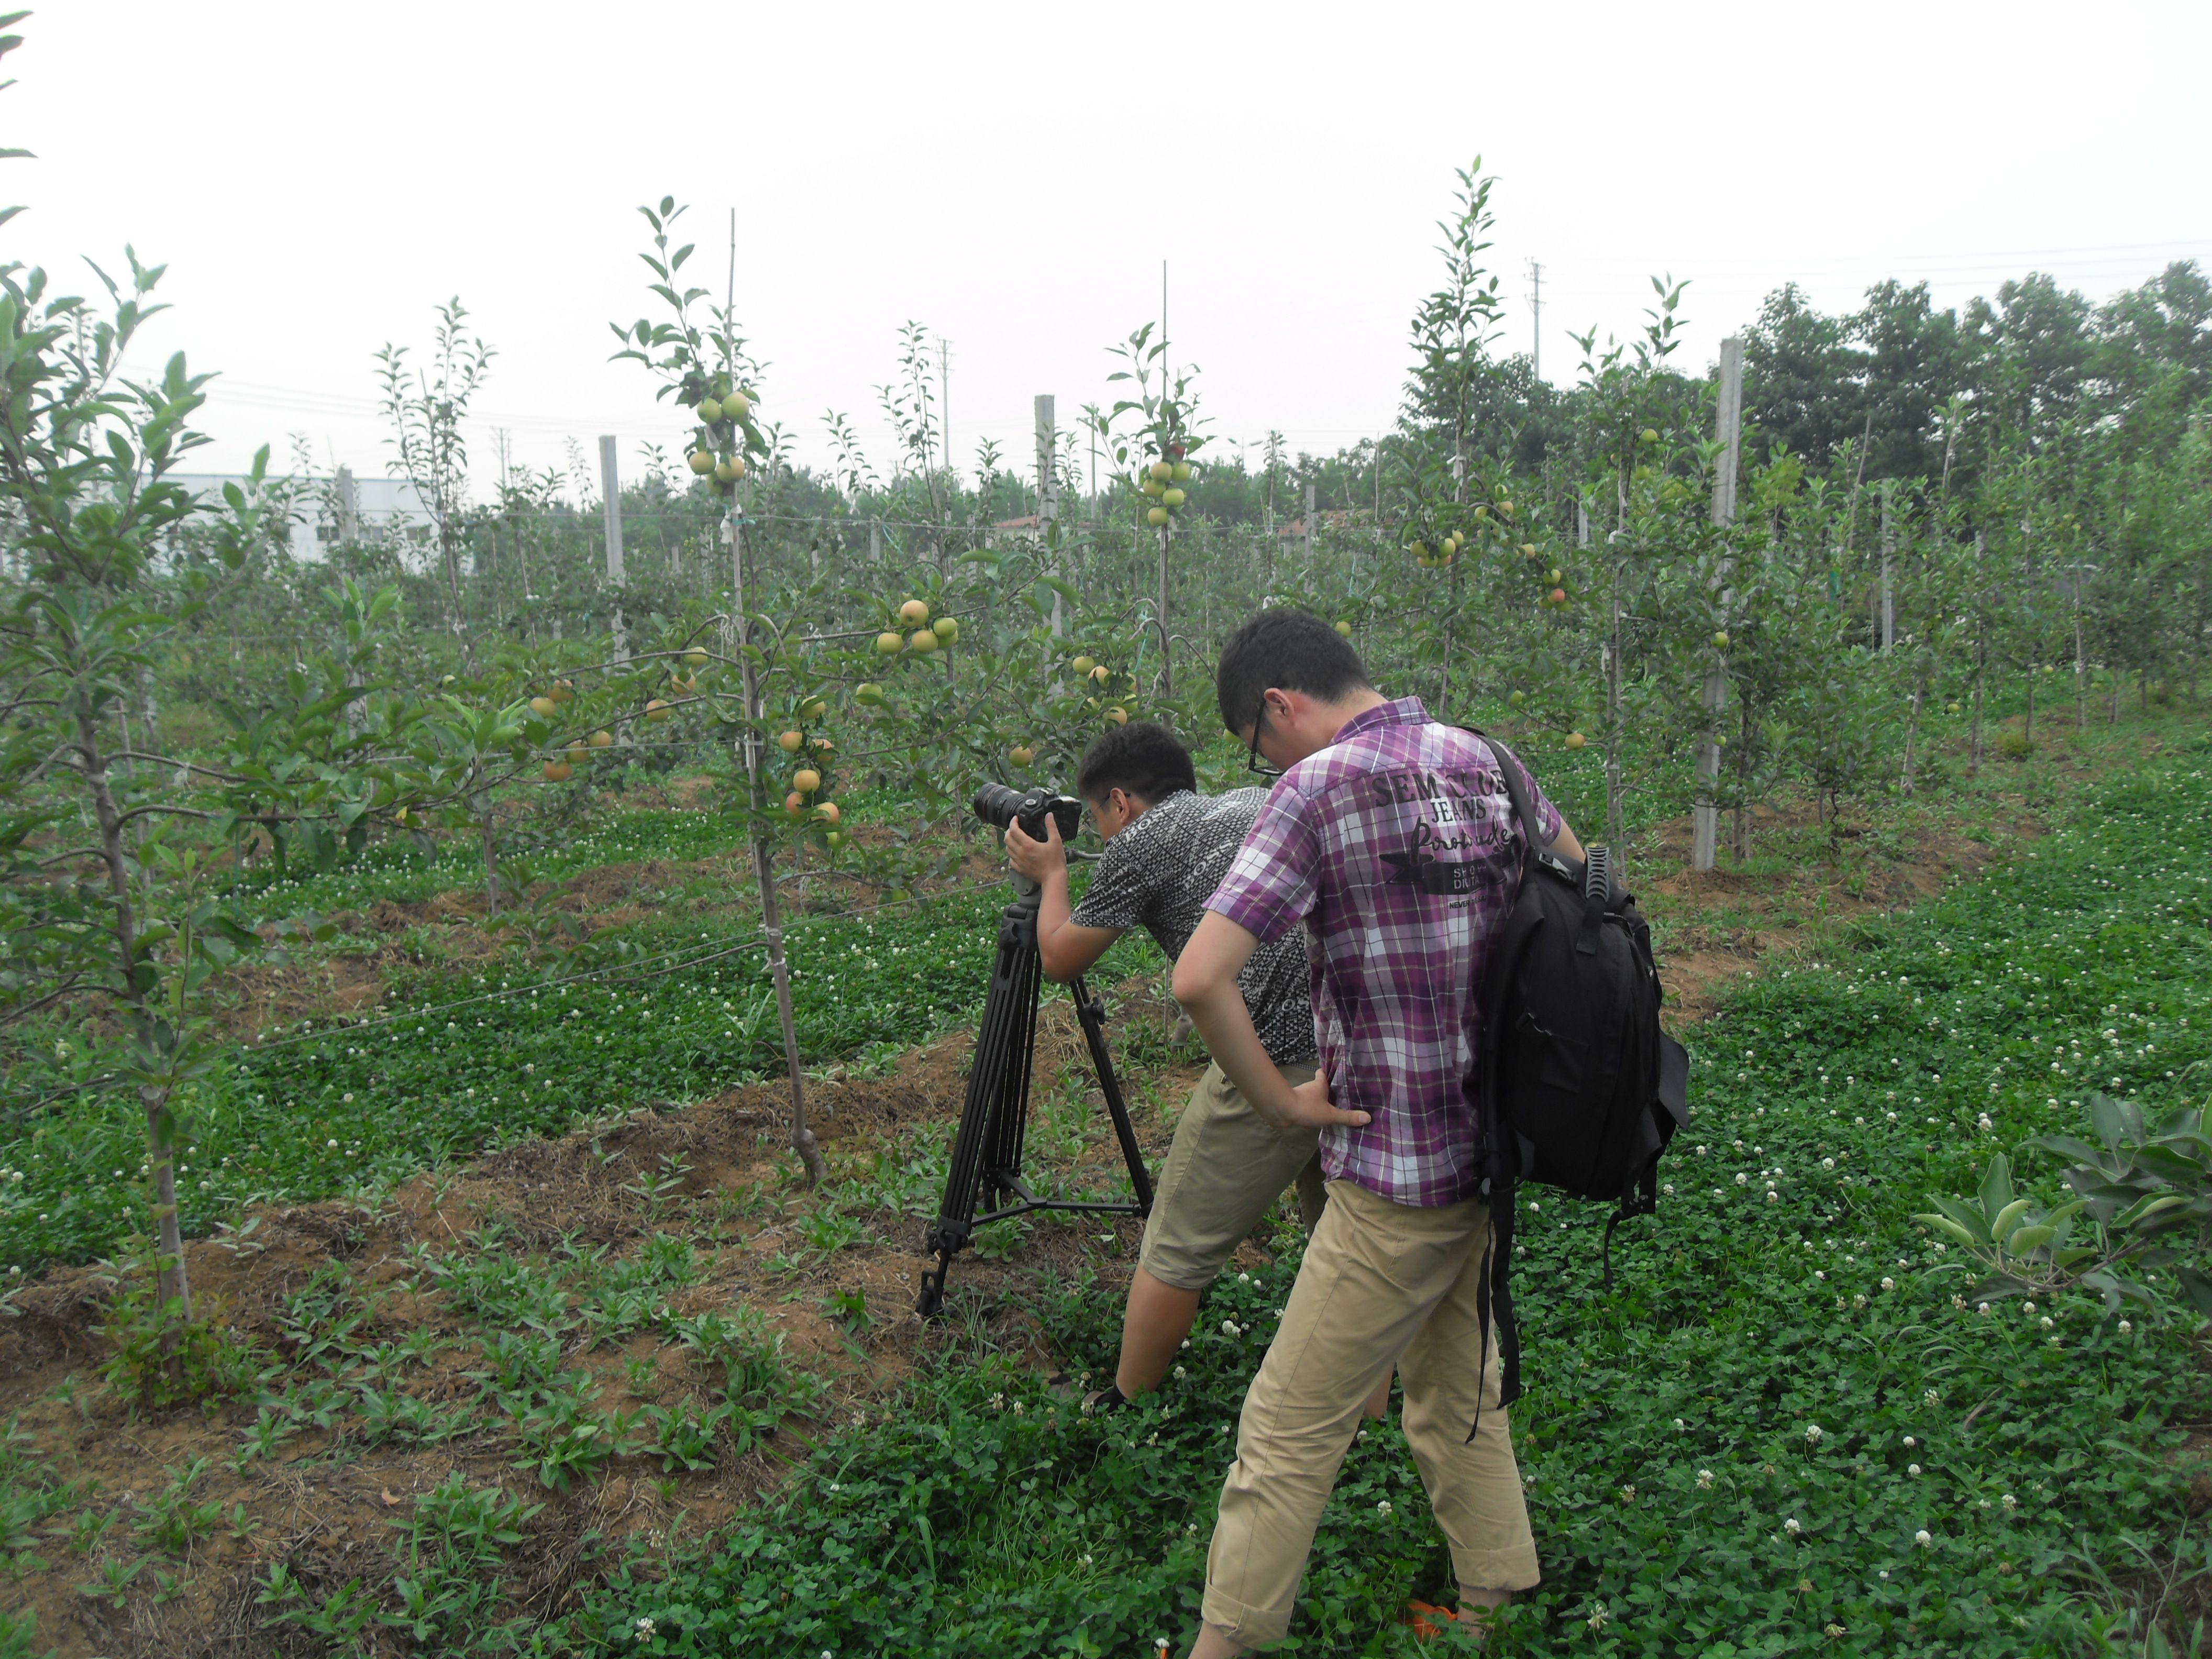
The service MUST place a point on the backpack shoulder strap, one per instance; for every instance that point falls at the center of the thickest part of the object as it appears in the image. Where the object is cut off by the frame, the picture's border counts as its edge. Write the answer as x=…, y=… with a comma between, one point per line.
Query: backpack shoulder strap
x=1533, y=841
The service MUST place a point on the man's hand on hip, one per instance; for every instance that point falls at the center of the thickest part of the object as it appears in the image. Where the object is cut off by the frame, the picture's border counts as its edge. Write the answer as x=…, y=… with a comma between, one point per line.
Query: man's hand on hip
x=1311, y=1108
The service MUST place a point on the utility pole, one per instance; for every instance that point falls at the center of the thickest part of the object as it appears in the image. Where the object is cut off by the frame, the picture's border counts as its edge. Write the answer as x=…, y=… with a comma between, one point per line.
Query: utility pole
x=349, y=506
x=1536, y=321
x=1167, y=528
x=610, y=510
x=1048, y=498
x=944, y=398
x=1309, y=526
x=1888, y=548
x=1728, y=422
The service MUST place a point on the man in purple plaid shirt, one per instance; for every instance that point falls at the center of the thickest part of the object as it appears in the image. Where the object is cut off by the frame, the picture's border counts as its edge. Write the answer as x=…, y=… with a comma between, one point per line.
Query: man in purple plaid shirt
x=1392, y=838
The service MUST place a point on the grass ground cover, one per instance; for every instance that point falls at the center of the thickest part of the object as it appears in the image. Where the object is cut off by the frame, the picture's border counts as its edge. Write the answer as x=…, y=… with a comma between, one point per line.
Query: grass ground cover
x=1790, y=1428
x=467, y=1062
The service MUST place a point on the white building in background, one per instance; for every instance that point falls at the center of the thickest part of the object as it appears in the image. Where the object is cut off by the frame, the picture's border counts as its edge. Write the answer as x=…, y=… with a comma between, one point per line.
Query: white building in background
x=333, y=510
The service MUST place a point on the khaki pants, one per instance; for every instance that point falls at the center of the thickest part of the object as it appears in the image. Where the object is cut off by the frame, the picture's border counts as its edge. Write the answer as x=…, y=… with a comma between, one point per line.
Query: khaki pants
x=1382, y=1282
x=1228, y=1165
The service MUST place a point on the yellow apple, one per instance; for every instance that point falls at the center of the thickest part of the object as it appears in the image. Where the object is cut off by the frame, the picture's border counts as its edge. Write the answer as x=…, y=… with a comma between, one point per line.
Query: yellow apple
x=1083, y=664
x=826, y=812
x=1161, y=471
x=947, y=630
x=602, y=739
x=914, y=611
x=1118, y=716
x=888, y=644
x=814, y=710
x=789, y=741
x=701, y=462
x=737, y=406
x=656, y=710
x=1180, y=471
x=1345, y=629
x=556, y=771
x=1021, y=754
x=806, y=780
x=710, y=411
x=923, y=639
x=1156, y=516
x=544, y=707
x=1576, y=740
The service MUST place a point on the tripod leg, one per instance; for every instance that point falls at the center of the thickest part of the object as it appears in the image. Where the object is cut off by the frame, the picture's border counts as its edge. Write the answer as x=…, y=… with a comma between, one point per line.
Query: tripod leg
x=1091, y=1013
x=987, y=1141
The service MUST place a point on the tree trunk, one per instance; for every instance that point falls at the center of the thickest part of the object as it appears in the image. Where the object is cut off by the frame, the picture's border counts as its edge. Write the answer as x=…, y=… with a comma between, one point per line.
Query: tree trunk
x=1912, y=731
x=481, y=800
x=172, y=1286
x=802, y=1137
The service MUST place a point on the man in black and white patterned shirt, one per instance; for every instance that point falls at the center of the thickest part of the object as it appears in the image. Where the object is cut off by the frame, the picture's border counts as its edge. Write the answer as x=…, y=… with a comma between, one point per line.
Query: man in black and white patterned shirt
x=1167, y=848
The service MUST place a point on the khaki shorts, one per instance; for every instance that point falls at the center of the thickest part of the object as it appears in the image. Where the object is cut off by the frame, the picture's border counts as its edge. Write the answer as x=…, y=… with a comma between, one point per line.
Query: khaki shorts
x=1227, y=1166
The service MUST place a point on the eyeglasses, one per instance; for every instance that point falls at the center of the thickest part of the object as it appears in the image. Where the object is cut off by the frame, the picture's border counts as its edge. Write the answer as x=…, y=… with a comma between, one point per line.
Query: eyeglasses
x=1253, y=762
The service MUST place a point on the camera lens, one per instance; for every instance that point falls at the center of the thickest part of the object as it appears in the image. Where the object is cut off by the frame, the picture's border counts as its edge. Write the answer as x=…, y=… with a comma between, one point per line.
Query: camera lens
x=997, y=805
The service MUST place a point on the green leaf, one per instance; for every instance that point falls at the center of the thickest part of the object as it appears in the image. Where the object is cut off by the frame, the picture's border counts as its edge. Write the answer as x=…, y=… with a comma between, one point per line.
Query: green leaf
x=1996, y=1189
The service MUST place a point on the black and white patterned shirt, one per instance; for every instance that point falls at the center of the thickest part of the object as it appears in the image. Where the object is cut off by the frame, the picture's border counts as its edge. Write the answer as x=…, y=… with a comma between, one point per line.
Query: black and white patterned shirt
x=1158, y=873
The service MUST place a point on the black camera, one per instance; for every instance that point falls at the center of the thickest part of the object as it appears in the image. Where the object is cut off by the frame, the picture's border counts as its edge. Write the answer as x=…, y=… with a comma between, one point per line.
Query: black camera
x=997, y=805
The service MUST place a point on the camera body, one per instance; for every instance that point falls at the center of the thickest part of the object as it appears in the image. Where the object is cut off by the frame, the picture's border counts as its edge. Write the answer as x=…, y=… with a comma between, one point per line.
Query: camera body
x=999, y=806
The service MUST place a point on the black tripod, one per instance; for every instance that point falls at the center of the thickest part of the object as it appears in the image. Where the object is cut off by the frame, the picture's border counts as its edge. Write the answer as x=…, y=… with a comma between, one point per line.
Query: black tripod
x=987, y=1155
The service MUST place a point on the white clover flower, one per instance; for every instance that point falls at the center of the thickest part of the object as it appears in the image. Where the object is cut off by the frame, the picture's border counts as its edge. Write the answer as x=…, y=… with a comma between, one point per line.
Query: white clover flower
x=1628, y=1494
x=1889, y=1284
x=1859, y=1301
x=1597, y=1618
x=1820, y=1274
x=1923, y=1538
x=1913, y=1469
x=1791, y=1526
x=1983, y=1310
x=2044, y=1322
x=1704, y=1479
x=1741, y=1179
x=1910, y=1443
x=643, y=1627
x=1680, y=1423
x=1181, y=1373
x=1229, y=1329
x=1932, y=1398
x=2127, y=1327
x=1834, y=1632
x=2010, y=1502
x=2027, y=1307
x=1243, y=1279
x=1384, y=1507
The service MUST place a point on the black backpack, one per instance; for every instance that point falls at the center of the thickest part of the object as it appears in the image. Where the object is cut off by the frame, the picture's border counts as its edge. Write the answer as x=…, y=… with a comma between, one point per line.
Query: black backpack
x=1575, y=1085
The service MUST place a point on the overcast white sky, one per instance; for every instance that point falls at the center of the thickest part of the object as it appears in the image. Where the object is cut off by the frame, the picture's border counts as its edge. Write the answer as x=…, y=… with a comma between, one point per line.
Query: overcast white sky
x=318, y=177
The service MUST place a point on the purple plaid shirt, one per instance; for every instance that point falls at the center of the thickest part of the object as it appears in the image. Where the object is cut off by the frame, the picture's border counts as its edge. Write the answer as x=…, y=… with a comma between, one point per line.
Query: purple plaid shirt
x=1396, y=845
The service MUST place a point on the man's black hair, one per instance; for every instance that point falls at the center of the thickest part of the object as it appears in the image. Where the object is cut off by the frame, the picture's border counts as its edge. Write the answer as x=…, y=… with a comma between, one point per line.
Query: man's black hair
x=1143, y=758
x=1290, y=651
